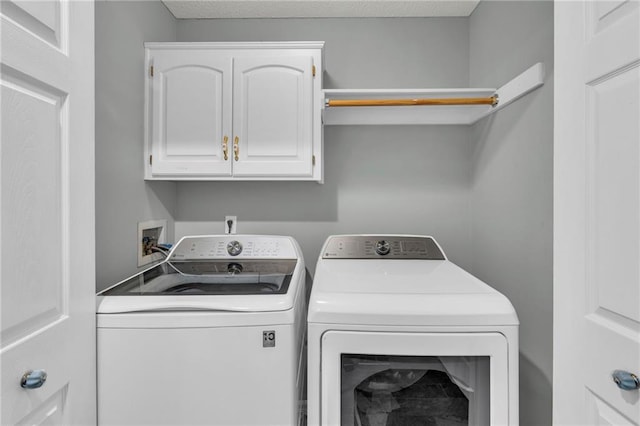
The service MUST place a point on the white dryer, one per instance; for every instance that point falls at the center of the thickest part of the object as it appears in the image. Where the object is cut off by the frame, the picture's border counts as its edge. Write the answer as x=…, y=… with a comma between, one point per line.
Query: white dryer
x=214, y=335
x=398, y=335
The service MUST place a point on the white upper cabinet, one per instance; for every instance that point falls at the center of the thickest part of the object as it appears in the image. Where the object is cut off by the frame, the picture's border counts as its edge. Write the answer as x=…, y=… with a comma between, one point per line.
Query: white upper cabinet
x=234, y=111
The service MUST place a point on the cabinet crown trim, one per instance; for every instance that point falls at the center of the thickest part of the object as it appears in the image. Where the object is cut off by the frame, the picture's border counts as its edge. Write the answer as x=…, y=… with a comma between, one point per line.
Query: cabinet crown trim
x=236, y=45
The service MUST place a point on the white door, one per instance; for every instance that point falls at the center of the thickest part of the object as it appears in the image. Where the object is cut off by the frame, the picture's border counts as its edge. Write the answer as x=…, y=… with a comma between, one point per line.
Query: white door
x=191, y=113
x=597, y=211
x=273, y=116
x=47, y=196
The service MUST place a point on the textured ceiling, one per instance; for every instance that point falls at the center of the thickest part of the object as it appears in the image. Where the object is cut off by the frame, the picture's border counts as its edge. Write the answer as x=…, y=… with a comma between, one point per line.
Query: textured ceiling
x=208, y=9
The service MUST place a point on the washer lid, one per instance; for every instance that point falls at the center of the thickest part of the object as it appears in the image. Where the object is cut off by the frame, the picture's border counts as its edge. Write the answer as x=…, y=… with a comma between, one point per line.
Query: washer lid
x=221, y=277
x=240, y=286
x=404, y=292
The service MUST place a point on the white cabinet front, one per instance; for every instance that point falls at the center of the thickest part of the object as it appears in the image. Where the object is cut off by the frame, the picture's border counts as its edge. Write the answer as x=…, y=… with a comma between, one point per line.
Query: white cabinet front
x=215, y=112
x=272, y=116
x=190, y=114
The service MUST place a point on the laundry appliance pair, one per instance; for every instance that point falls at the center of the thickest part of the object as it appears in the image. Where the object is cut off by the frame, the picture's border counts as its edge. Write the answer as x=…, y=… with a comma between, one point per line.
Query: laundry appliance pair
x=215, y=335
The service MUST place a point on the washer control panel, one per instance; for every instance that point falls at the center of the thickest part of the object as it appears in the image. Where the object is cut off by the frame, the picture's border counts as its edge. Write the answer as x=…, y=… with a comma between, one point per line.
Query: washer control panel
x=233, y=246
x=381, y=247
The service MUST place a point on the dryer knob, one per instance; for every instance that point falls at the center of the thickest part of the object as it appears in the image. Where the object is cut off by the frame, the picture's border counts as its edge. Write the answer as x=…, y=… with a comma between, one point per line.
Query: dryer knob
x=383, y=247
x=234, y=248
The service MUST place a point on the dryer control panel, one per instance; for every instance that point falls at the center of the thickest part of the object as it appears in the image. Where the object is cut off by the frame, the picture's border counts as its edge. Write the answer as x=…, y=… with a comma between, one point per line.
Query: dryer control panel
x=382, y=247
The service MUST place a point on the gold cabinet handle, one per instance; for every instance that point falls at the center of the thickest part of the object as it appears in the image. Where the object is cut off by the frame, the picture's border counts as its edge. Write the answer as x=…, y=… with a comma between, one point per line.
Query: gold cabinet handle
x=225, y=148
x=236, y=148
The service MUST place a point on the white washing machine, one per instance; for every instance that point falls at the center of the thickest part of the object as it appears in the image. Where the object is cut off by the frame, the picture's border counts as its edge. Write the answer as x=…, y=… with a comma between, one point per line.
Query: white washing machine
x=214, y=335
x=398, y=335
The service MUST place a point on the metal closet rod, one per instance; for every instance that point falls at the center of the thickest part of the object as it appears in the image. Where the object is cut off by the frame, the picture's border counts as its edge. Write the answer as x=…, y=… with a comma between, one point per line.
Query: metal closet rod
x=493, y=101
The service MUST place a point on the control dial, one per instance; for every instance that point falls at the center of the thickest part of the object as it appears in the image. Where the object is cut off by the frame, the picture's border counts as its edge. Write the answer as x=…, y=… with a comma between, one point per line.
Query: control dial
x=234, y=248
x=383, y=247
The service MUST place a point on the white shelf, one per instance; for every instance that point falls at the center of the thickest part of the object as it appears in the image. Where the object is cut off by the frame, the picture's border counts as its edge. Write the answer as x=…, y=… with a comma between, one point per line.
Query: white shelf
x=524, y=83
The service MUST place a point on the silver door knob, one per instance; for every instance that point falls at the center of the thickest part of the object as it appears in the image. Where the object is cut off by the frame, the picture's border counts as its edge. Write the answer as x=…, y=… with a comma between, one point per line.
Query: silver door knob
x=33, y=379
x=626, y=380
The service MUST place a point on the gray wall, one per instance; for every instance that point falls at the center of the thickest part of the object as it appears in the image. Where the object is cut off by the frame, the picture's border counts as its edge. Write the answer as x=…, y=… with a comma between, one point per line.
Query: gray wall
x=360, y=53
x=513, y=185
x=379, y=180
x=393, y=179
x=122, y=197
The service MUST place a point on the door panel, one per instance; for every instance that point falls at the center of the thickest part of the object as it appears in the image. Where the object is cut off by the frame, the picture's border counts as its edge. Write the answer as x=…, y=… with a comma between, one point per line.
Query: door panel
x=49, y=413
x=266, y=109
x=273, y=113
x=32, y=176
x=43, y=350
x=47, y=220
x=613, y=193
x=611, y=36
x=191, y=107
x=192, y=119
x=602, y=414
x=41, y=18
x=612, y=346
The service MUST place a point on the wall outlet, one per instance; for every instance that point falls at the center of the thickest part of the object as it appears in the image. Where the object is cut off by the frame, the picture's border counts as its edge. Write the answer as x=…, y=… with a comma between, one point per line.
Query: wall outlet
x=230, y=224
x=150, y=234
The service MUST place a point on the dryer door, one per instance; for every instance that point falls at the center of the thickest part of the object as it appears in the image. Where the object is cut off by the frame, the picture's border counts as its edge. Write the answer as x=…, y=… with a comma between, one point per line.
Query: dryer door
x=388, y=379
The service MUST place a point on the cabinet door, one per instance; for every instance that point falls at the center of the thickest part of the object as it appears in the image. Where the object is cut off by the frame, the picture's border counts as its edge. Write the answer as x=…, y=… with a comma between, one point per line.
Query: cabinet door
x=273, y=116
x=191, y=113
